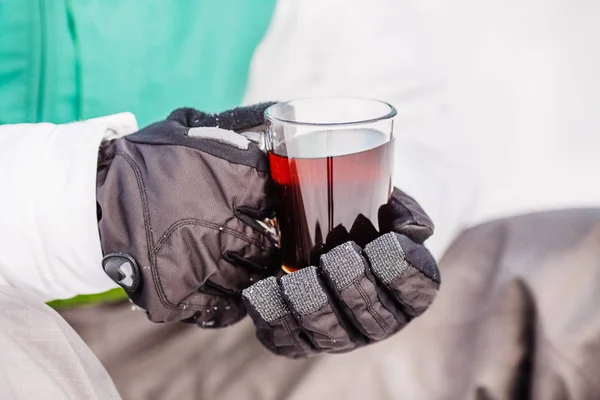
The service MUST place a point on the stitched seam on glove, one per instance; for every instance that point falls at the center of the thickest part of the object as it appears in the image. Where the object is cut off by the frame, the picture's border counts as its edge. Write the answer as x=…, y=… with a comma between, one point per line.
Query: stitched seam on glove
x=413, y=313
x=152, y=251
x=293, y=339
x=194, y=221
x=369, y=306
x=148, y=228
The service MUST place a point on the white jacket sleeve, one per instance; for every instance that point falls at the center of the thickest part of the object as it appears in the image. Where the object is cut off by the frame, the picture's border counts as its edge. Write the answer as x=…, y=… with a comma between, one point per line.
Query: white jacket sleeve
x=379, y=49
x=49, y=240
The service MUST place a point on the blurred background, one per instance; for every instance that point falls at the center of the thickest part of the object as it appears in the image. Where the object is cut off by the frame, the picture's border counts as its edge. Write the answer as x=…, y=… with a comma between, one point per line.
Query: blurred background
x=498, y=118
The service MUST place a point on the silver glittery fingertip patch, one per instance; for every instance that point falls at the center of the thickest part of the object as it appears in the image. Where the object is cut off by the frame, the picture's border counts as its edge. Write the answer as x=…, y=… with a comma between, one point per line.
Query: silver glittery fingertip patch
x=303, y=290
x=266, y=299
x=343, y=264
x=386, y=257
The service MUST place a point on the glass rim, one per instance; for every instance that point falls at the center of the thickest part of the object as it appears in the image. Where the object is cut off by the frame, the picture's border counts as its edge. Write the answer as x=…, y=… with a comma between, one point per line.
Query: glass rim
x=390, y=114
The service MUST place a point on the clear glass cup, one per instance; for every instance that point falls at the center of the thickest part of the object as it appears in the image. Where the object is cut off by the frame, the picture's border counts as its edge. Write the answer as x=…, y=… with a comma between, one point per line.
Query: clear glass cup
x=332, y=161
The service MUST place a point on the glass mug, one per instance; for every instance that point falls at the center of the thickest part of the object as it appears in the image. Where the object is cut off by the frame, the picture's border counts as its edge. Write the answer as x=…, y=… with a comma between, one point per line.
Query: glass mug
x=332, y=161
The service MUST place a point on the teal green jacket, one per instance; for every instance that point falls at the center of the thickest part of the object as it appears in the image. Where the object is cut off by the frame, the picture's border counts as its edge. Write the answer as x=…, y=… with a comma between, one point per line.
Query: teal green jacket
x=67, y=60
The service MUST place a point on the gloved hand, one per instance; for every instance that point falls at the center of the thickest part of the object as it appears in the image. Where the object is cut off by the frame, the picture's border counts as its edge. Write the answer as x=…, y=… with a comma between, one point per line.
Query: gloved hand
x=178, y=205
x=355, y=296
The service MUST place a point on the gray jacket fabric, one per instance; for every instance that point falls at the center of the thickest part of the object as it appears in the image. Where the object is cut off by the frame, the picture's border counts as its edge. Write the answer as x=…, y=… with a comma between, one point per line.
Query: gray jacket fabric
x=516, y=318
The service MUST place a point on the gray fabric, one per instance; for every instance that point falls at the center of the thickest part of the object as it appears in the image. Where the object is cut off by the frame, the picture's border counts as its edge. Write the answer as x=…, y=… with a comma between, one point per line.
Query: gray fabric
x=41, y=356
x=324, y=331
x=267, y=299
x=181, y=362
x=371, y=309
x=387, y=258
x=185, y=209
x=285, y=336
x=404, y=215
x=340, y=306
x=304, y=291
x=518, y=311
x=343, y=264
x=414, y=291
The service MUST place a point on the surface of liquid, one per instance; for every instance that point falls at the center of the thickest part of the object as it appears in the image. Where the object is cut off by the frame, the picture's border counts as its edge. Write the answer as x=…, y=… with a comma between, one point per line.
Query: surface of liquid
x=330, y=188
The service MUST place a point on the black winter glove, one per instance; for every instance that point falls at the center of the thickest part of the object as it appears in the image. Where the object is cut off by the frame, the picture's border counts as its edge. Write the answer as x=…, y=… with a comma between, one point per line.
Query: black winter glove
x=178, y=209
x=355, y=296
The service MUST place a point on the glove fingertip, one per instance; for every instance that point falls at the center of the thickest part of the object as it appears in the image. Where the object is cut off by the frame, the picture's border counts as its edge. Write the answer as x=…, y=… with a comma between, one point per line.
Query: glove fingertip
x=265, y=297
x=419, y=257
x=391, y=254
x=276, y=328
x=303, y=291
x=417, y=233
x=407, y=269
x=343, y=264
x=402, y=214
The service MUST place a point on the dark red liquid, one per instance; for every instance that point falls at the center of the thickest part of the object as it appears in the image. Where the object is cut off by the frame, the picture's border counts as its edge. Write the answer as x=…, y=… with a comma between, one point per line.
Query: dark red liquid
x=326, y=201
